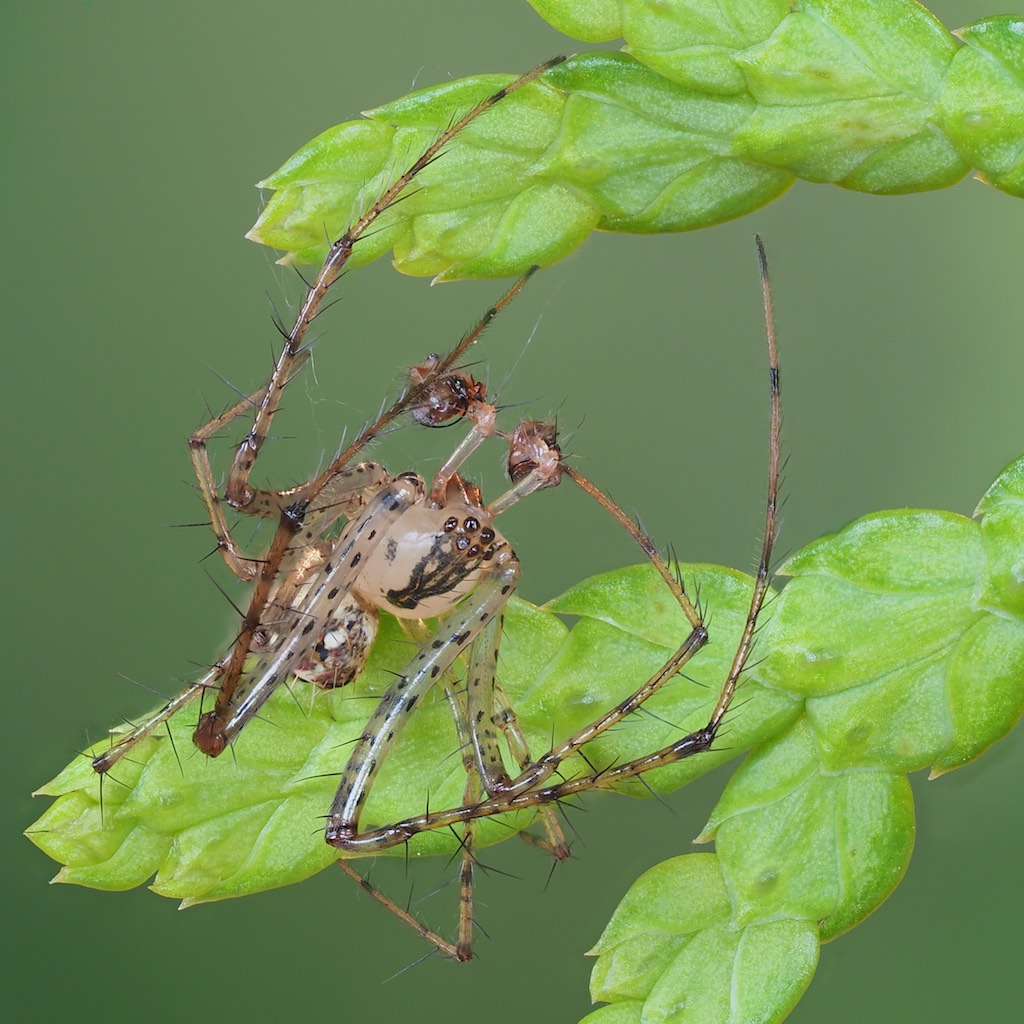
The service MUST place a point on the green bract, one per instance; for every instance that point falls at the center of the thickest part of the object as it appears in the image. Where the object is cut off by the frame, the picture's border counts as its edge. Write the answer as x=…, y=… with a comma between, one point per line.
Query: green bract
x=714, y=108
x=897, y=644
x=905, y=635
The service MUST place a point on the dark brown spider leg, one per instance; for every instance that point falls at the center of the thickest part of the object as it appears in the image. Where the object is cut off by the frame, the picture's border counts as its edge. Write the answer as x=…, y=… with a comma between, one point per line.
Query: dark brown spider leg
x=238, y=493
x=694, y=743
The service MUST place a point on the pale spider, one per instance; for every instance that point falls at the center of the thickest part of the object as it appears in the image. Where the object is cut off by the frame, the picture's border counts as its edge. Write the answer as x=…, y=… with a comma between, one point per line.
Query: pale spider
x=417, y=553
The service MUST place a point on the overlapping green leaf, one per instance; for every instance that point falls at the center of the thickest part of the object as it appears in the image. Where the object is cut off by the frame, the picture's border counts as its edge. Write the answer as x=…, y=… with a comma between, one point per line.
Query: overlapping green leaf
x=713, y=110
x=671, y=953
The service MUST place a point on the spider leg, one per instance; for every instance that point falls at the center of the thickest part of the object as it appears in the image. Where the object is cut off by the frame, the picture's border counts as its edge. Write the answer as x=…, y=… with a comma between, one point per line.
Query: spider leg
x=105, y=761
x=467, y=866
x=536, y=773
x=487, y=708
x=462, y=949
x=472, y=793
x=244, y=568
x=264, y=503
x=522, y=792
x=450, y=949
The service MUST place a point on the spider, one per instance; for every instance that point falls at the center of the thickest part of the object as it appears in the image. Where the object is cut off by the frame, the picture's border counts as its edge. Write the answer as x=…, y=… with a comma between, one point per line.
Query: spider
x=406, y=549
x=417, y=552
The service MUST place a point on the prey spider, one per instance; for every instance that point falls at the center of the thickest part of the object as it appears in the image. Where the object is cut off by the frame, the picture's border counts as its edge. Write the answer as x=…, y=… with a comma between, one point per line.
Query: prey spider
x=417, y=552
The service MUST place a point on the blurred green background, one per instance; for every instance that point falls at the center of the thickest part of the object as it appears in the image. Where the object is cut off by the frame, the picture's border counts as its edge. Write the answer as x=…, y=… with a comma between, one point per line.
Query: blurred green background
x=134, y=134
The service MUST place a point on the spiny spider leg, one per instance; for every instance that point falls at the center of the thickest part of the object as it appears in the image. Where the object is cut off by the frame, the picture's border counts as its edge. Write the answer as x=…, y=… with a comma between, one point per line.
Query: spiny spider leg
x=268, y=504
x=527, y=790
x=243, y=567
x=486, y=708
x=462, y=949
